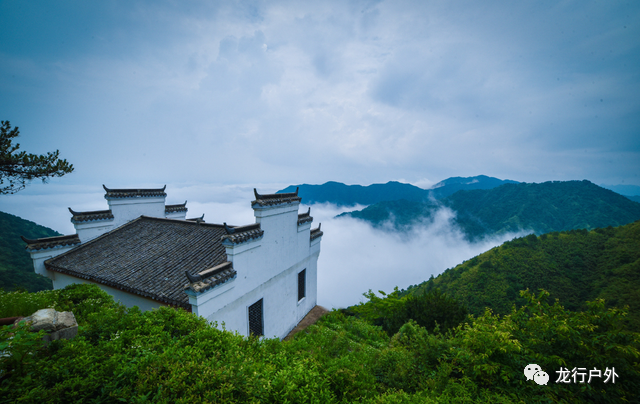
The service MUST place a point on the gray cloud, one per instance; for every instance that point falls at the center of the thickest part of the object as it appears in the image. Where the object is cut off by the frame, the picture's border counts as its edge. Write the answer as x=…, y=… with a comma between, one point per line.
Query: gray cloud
x=359, y=92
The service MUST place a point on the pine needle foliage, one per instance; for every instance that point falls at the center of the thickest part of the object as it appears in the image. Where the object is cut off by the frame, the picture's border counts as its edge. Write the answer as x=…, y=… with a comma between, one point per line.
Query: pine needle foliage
x=17, y=168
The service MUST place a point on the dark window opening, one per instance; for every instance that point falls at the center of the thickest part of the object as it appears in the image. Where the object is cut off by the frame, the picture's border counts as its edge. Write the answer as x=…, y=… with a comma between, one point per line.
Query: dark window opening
x=302, y=284
x=255, y=319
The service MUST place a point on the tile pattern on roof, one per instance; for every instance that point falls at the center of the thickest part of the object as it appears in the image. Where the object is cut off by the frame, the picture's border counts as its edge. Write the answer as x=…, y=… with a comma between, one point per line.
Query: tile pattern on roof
x=133, y=193
x=274, y=199
x=210, y=278
x=147, y=257
x=79, y=217
x=241, y=234
x=50, y=242
x=176, y=208
x=305, y=217
x=315, y=233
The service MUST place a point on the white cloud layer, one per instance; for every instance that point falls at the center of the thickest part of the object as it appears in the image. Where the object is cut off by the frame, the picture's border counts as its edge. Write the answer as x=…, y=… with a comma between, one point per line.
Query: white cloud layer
x=355, y=257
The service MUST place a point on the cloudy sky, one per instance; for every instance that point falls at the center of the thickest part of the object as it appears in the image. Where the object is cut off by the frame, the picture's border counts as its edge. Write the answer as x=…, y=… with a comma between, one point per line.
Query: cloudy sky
x=214, y=98
x=237, y=92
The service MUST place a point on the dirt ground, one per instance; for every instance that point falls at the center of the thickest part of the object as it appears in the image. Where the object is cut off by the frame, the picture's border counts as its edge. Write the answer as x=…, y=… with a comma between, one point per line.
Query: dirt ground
x=311, y=317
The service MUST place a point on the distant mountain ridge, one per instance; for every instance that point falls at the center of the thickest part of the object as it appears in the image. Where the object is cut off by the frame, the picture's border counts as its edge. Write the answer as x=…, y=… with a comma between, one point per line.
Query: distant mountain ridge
x=541, y=208
x=454, y=184
x=348, y=195
x=16, y=266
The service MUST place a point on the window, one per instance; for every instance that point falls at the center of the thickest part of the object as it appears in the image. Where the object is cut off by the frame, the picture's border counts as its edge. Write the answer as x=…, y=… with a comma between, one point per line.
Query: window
x=255, y=319
x=302, y=284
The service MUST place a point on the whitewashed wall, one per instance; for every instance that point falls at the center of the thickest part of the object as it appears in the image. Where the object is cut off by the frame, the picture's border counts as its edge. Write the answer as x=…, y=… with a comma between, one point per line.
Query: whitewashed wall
x=126, y=209
x=267, y=269
x=126, y=298
x=40, y=256
x=87, y=231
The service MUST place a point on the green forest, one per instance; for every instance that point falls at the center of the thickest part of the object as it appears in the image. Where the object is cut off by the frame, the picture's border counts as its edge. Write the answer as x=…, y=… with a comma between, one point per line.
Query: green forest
x=171, y=356
x=574, y=266
x=16, y=266
x=540, y=208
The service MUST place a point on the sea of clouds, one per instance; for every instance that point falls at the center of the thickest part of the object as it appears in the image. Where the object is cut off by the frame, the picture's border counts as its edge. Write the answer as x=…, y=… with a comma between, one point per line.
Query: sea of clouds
x=354, y=256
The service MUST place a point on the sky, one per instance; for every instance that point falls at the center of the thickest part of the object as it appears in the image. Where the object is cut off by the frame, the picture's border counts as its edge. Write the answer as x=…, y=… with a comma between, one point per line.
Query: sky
x=215, y=98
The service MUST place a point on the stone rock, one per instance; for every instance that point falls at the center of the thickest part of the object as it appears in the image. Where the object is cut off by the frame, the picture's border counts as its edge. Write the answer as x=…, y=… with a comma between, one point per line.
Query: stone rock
x=59, y=325
x=43, y=319
x=66, y=319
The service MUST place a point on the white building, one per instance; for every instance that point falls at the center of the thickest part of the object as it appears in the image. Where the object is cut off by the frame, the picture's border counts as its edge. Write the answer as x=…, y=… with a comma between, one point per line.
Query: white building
x=259, y=278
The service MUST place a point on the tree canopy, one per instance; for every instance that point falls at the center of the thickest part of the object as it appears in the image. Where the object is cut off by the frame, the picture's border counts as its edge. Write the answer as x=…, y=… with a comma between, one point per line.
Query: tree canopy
x=17, y=168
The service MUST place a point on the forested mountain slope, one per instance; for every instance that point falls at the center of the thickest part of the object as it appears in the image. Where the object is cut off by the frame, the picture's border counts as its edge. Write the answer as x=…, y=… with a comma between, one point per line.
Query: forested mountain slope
x=540, y=208
x=574, y=266
x=16, y=266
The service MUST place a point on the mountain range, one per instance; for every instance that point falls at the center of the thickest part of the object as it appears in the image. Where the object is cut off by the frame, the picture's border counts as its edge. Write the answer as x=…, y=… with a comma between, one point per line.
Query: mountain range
x=513, y=207
x=348, y=195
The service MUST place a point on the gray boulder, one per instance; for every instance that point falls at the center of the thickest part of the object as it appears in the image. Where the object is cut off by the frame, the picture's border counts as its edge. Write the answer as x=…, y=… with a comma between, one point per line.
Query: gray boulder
x=59, y=325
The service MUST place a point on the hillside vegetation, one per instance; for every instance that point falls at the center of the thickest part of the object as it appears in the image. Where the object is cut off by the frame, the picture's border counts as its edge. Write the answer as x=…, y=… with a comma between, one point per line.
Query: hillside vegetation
x=16, y=266
x=574, y=266
x=171, y=356
x=540, y=208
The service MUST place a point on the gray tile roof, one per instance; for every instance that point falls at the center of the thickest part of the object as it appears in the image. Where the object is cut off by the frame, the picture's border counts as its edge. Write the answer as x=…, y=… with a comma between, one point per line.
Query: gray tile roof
x=133, y=193
x=305, y=217
x=241, y=234
x=50, y=242
x=315, y=233
x=79, y=217
x=176, y=208
x=275, y=199
x=147, y=257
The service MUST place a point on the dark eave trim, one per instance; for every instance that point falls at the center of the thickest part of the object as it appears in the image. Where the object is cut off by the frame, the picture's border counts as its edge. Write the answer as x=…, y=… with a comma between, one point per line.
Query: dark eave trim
x=116, y=285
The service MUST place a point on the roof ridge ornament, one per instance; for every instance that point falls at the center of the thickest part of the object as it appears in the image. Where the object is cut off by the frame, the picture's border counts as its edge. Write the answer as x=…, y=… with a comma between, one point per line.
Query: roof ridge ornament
x=229, y=230
x=29, y=240
x=193, y=278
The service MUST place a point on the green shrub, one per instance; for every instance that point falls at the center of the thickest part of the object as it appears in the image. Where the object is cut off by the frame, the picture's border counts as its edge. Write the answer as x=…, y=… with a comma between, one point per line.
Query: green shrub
x=432, y=310
x=172, y=356
x=13, y=304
